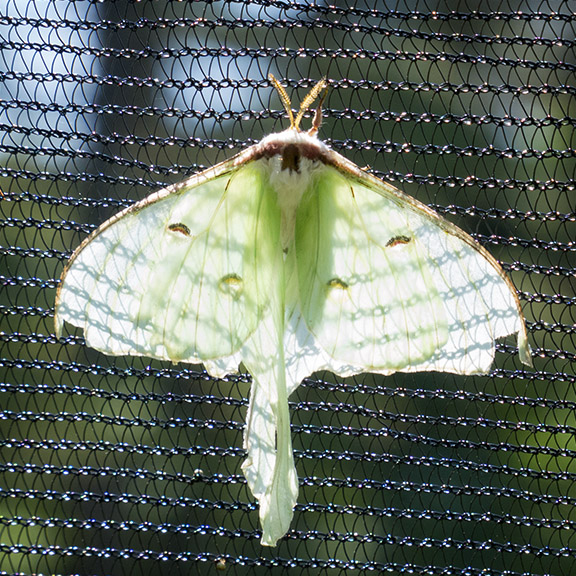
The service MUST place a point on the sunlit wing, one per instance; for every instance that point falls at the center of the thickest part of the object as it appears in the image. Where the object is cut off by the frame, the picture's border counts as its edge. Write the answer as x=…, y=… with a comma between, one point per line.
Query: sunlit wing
x=385, y=286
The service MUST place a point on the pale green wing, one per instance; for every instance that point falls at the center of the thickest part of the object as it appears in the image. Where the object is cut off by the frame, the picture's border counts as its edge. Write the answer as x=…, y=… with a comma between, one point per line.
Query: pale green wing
x=195, y=273
x=385, y=286
x=179, y=276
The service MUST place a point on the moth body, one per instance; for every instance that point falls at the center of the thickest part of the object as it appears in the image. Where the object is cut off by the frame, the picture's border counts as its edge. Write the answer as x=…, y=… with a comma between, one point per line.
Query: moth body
x=289, y=259
x=292, y=159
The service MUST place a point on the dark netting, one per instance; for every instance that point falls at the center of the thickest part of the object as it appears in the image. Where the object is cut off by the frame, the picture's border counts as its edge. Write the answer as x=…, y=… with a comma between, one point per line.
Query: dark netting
x=113, y=465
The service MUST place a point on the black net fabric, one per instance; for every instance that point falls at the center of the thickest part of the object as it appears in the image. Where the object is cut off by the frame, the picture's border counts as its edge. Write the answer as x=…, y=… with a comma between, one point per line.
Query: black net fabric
x=119, y=465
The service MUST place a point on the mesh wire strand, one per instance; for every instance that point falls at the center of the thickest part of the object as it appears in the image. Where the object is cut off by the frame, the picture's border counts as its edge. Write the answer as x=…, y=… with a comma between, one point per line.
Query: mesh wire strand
x=128, y=465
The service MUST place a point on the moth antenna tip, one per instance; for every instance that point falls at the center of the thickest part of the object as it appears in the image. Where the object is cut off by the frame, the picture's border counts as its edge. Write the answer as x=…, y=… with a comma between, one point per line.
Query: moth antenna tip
x=317, y=120
x=284, y=98
x=307, y=102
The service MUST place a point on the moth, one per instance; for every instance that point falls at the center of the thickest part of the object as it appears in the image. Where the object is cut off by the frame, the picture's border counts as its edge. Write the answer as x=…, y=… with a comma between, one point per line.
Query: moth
x=285, y=260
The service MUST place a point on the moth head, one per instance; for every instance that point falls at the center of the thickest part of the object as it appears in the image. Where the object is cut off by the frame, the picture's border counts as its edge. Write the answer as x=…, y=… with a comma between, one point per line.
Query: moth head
x=321, y=87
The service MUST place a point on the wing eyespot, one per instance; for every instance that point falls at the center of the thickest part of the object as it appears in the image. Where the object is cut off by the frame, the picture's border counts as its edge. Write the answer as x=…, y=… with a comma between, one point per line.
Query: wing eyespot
x=232, y=285
x=179, y=228
x=398, y=240
x=337, y=284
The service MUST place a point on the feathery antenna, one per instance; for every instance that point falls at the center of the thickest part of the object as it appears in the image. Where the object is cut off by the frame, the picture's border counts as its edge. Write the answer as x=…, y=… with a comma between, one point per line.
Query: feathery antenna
x=306, y=103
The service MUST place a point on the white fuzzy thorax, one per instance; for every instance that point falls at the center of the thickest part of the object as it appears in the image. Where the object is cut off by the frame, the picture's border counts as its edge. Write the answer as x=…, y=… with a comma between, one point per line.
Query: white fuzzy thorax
x=290, y=185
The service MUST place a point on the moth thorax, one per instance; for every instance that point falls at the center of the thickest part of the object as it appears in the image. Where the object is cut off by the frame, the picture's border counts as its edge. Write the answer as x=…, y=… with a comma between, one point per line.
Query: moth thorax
x=289, y=185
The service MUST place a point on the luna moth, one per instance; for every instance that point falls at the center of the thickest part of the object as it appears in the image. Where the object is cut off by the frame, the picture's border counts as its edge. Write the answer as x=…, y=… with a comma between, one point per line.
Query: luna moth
x=288, y=259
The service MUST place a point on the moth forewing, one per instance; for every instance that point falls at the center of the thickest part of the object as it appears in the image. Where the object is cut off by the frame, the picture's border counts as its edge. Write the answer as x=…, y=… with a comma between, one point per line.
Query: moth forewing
x=408, y=203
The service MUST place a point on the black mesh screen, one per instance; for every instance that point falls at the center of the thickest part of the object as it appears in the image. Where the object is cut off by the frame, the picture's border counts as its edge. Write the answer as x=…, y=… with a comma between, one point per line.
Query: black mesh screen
x=113, y=465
